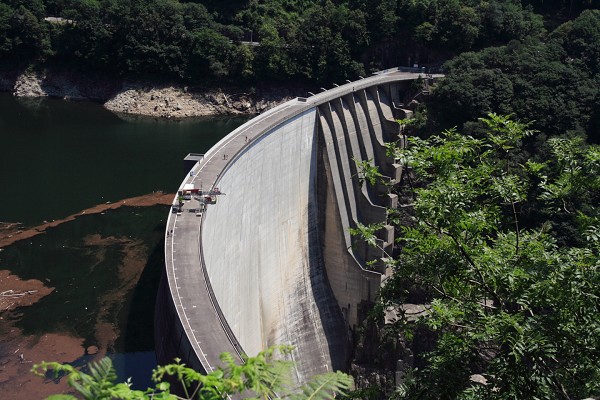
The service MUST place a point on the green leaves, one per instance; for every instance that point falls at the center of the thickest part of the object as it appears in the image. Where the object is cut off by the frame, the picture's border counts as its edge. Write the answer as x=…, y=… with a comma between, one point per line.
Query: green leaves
x=504, y=300
x=325, y=386
x=367, y=232
x=98, y=384
x=367, y=171
x=530, y=78
x=505, y=132
x=575, y=175
x=267, y=375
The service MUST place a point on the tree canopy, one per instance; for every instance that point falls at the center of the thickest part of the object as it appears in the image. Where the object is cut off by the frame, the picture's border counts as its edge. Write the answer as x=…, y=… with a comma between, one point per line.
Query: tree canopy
x=315, y=41
x=508, y=298
x=554, y=82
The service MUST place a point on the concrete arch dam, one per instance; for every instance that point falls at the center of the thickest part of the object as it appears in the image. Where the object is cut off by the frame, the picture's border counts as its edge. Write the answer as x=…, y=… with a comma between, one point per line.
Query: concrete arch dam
x=272, y=260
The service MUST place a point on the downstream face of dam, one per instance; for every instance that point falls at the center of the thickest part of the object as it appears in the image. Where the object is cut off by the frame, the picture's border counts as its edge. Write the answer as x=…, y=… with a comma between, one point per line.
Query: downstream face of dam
x=257, y=241
x=261, y=253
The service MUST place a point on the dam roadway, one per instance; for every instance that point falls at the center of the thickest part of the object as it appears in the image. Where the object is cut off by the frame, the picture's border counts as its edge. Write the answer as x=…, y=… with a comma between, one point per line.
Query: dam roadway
x=249, y=271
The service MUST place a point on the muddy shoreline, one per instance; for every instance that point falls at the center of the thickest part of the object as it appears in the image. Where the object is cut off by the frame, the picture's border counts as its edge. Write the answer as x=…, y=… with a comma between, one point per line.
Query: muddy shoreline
x=19, y=350
x=14, y=232
x=141, y=98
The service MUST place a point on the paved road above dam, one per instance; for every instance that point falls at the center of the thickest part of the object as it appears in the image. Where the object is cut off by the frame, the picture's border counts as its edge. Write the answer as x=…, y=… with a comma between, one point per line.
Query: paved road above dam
x=269, y=258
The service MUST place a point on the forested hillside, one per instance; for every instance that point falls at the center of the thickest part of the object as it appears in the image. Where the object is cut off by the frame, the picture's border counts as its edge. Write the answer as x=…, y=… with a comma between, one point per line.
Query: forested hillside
x=312, y=41
x=552, y=80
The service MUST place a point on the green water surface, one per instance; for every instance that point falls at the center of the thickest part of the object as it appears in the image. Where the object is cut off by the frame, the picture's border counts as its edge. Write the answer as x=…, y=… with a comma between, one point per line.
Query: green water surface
x=58, y=158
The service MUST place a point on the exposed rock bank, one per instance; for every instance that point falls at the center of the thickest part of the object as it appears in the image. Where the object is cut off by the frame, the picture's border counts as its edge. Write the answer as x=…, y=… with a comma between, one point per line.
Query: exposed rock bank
x=61, y=85
x=180, y=102
x=164, y=101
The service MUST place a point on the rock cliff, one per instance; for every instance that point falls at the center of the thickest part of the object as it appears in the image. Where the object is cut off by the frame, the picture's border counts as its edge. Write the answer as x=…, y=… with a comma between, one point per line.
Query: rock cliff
x=164, y=101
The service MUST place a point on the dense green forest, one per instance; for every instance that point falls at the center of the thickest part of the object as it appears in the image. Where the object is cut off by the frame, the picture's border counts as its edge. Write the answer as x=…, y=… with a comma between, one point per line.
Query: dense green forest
x=553, y=80
x=318, y=41
x=498, y=257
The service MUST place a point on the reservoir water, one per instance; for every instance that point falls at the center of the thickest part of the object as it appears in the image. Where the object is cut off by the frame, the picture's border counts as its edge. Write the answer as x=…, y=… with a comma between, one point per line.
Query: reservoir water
x=92, y=278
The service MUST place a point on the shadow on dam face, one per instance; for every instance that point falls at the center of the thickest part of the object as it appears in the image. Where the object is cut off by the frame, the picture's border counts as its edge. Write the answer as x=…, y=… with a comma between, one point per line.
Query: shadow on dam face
x=271, y=260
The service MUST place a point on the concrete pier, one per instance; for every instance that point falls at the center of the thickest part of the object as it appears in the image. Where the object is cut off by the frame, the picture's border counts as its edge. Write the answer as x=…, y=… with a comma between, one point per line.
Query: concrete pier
x=272, y=261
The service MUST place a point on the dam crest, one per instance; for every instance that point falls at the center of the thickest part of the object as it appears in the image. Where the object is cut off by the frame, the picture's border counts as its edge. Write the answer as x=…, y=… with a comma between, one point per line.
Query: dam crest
x=261, y=253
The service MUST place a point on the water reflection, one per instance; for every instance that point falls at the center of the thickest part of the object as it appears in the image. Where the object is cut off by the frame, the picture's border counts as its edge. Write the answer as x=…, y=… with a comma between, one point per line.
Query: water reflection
x=63, y=157
x=103, y=272
x=92, y=279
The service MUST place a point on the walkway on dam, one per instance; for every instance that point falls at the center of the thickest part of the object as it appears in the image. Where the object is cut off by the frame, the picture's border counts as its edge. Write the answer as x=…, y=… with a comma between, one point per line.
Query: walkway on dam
x=201, y=317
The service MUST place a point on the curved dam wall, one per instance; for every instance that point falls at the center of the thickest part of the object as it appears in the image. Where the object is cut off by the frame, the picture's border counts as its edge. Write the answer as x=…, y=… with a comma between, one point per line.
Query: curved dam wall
x=257, y=241
x=272, y=261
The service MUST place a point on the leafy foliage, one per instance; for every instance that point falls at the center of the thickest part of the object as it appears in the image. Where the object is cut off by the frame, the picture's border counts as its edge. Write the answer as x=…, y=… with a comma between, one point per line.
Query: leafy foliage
x=503, y=300
x=319, y=41
x=323, y=387
x=367, y=232
x=265, y=376
x=98, y=384
x=367, y=171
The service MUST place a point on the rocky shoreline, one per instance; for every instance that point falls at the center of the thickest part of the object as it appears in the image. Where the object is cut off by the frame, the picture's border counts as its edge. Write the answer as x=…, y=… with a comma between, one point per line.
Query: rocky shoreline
x=161, y=101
